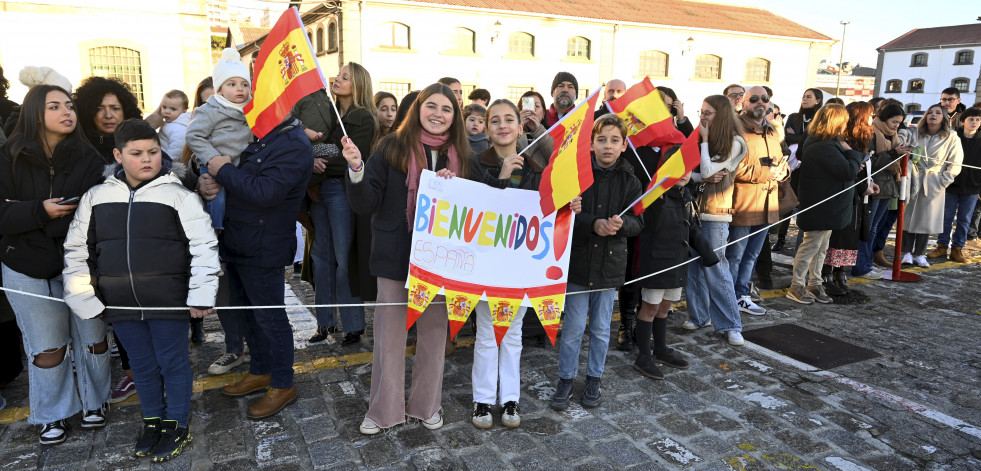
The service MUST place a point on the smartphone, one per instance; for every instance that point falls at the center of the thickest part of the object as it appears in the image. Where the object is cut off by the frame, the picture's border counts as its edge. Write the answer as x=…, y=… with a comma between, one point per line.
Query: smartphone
x=528, y=103
x=73, y=200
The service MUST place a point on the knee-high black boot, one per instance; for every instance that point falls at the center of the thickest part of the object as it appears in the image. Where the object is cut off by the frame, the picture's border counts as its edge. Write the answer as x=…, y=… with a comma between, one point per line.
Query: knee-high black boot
x=829, y=282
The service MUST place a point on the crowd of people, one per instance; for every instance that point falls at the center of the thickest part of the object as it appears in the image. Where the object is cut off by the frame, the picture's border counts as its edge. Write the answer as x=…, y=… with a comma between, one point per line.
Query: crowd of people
x=144, y=224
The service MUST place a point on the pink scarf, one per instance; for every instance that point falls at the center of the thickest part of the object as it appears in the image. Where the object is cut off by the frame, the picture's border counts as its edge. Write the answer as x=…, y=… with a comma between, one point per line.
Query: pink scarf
x=418, y=162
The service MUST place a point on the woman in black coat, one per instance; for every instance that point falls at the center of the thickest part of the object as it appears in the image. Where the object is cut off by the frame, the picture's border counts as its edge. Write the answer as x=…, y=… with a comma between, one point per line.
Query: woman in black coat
x=103, y=103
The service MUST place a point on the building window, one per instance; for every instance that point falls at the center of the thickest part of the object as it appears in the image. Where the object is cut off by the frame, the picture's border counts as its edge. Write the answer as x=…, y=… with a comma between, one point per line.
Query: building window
x=394, y=35
x=399, y=89
x=514, y=93
x=583, y=94
x=332, y=36
x=758, y=70
x=962, y=84
x=965, y=57
x=894, y=86
x=320, y=39
x=915, y=86
x=912, y=107
x=521, y=45
x=119, y=62
x=919, y=60
x=461, y=40
x=578, y=47
x=653, y=63
x=708, y=66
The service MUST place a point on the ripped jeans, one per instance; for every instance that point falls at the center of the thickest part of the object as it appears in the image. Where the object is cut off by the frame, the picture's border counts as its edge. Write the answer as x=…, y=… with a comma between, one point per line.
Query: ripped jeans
x=47, y=325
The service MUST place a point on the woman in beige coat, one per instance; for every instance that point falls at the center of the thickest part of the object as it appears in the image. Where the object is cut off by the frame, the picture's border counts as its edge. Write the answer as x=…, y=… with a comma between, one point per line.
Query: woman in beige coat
x=937, y=161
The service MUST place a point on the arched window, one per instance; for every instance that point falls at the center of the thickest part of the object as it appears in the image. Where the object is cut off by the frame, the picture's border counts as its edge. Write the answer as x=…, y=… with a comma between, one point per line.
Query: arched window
x=965, y=57
x=915, y=86
x=120, y=62
x=310, y=35
x=461, y=40
x=653, y=63
x=578, y=46
x=394, y=35
x=962, y=84
x=320, y=39
x=757, y=70
x=521, y=44
x=332, y=36
x=918, y=60
x=894, y=86
x=708, y=66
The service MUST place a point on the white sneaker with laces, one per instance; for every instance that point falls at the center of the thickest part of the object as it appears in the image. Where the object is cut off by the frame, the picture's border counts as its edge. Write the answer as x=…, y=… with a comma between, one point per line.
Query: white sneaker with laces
x=225, y=363
x=907, y=259
x=921, y=261
x=689, y=325
x=735, y=337
x=434, y=422
x=873, y=274
x=747, y=305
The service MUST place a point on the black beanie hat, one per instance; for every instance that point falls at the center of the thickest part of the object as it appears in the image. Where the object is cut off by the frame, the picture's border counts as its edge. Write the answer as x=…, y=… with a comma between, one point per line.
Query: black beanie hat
x=564, y=77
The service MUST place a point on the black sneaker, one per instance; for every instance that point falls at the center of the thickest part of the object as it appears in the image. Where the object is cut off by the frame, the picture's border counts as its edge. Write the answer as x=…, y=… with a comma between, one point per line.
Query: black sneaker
x=563, y=392
x=646, y=365
x=671, y=358
x=322, y=334
x=55, y=432
x=591, y=396
x=149, y=438
x=352, y=338
x=92, y=419
x=481, y=416
x=172, y=441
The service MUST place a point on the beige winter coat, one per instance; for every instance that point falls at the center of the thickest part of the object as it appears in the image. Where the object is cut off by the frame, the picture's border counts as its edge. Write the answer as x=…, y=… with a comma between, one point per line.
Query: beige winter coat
x=931, y=175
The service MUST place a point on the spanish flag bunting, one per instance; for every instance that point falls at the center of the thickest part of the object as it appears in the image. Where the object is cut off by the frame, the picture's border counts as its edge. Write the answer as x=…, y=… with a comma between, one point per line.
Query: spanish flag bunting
x=548, y=303
x=286, y=70
x=504, y=305
x=423, y=287
x=459, y=305
x=681, y=162
x=649, y=122
x=570, y=169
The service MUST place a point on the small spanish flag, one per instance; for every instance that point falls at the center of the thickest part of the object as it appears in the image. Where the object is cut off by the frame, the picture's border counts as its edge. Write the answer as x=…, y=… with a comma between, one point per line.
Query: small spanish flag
x=286, y=70
x=681, y=162
x=649, y=122
x=570, y=169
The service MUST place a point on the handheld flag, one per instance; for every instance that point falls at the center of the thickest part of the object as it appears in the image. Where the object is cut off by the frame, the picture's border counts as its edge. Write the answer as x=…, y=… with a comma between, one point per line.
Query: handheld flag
x=649, y=122
x=681, y=162
x=286, y=70
x=570, y=169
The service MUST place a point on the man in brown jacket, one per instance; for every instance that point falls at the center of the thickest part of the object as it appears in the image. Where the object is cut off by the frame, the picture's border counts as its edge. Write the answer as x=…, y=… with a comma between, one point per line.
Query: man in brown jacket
x=755, y=202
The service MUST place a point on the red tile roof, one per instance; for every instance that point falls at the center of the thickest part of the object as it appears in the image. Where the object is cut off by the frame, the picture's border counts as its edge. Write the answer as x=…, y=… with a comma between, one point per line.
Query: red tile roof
x=252, y=33
x=683, y=13
x=933, y=37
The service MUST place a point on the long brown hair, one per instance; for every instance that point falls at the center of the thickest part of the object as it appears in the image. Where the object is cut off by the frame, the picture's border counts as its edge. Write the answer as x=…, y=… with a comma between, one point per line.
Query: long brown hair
x=859, y=132
x=725, y=126
x=829, y=123
x=30, y=124
x=407, y=138
x=924, y=129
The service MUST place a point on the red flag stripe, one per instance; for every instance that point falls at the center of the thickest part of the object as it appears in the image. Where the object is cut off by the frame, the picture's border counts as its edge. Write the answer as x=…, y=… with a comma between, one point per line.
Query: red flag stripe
x=660, y=134
x=270, y=117
x=635, y=92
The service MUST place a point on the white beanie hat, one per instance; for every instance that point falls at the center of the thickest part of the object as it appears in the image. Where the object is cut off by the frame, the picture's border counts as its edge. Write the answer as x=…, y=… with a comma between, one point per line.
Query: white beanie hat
x=230, y=65
x=32, y=76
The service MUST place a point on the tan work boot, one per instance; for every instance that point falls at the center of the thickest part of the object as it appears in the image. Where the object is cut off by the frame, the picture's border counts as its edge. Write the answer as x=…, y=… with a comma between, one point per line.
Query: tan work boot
x=249, y=384
x=880, y=259
x=274, y=401
x=957, y=255
x=939, y=252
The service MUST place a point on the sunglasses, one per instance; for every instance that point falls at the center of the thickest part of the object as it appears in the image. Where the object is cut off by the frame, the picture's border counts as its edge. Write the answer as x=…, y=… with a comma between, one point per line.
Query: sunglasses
x=756, y=98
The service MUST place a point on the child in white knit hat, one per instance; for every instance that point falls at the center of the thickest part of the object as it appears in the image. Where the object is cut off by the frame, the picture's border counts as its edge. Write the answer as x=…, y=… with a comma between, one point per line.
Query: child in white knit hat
x=218, y=127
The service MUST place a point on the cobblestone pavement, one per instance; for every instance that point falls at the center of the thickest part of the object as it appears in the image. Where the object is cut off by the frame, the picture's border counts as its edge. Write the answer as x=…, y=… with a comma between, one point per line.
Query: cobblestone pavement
x=918, y=406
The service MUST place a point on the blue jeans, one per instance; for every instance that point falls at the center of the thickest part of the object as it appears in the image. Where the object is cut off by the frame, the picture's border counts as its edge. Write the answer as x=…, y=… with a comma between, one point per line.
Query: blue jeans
x=215, y=207
x=963, y=207
x=159, y=359
x=863, y=264
x=598, y=308
x=333, y=233
x=743, y=254
x=57, y=393
x=710, y=294
x=885, y=227
x=267, y=331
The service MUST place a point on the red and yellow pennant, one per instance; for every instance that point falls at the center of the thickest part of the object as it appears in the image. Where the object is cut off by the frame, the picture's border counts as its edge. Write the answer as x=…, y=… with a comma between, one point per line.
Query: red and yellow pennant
x=547, y=303
x=504, y=304
x=423, y=287
x=286, y=70
x=570, y=169
x=684, y=160
x=460, y=303
x=649, y=122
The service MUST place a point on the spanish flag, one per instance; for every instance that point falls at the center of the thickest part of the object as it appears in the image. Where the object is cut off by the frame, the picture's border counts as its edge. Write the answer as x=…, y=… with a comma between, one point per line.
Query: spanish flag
x=286, y=70
x=681, y=162
x=649, y=122
x=570, y=169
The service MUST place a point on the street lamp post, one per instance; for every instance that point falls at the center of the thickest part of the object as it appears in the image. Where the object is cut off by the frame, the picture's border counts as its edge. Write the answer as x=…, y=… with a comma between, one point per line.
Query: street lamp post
x=841, y=57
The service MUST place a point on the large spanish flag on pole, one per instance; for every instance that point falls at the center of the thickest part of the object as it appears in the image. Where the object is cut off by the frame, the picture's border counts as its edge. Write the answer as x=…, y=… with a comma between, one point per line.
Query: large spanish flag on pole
x=681, y=162
x=649, y=122
x=570, y=169
x=285, y=71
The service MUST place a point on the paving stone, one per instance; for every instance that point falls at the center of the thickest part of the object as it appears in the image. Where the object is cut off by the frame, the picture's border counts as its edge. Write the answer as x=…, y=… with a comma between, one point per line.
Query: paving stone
x=461, y=436
x=380, y=452
x=762, y=420
x=118, y=457
x=482, y=459
x=316, y=429
x=235, y=465
x=679, y=424
x=568, y=446
x=414, y=438
x=227, y=445
x=326, y=454
x=308, y=408
x=622, y=452
x=674, y=452
x=686, y=381
x=802, y=442
x=275, y=450
x=434, y=459
x=856, y=444
x=537, y=461
x=726, y=400
x=594, y=427
x=716, y=421
x=541, y=426
x=596, y=465
x=60, y=456
x=510, y=440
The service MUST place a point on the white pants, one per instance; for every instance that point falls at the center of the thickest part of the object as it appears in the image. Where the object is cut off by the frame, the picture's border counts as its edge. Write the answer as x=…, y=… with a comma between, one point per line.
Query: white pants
x=496, y=370
x=299, y=244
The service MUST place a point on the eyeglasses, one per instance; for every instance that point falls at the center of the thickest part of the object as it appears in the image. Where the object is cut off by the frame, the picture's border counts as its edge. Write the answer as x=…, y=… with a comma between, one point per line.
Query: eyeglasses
x=756, y=98
x=948, y=99
x=736, y=96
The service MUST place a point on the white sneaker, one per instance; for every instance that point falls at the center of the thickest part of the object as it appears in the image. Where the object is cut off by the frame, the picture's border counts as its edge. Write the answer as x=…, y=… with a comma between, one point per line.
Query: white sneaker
x=225, y=363
x=510, y=416
x=921, y=261
x=689, y=325
x=434, y=422
x=369, y=427
x=735, y=337
x=749, y=307
x=873, y=274
x=908, y=259
x=481, y=416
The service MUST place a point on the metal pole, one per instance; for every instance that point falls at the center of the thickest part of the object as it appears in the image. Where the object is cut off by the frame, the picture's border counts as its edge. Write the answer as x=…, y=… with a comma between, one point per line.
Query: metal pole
x=841, y=58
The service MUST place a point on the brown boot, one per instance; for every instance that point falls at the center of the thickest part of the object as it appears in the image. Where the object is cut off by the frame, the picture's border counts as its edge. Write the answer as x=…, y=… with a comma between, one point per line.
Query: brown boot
x=939, y=252
x=249, y=384
x=957, y=255
x=880, y=259
x=274, y=401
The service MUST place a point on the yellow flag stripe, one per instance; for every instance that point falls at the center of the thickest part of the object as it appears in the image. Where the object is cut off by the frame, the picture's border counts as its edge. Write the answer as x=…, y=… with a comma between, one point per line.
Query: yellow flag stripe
x=270, y=77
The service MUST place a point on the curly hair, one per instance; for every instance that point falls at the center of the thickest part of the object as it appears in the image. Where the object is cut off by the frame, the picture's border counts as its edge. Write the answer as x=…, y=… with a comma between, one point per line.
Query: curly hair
x=4, y=84
x=88, y=97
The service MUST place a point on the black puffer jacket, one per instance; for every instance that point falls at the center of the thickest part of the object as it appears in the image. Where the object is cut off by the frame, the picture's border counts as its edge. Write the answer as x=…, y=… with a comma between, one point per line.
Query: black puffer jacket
x=670, y=231
x=490, y=169
x=599, y=262
x=103, y=144
x=968, y=182
x=30, y=241
x=828, y=169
